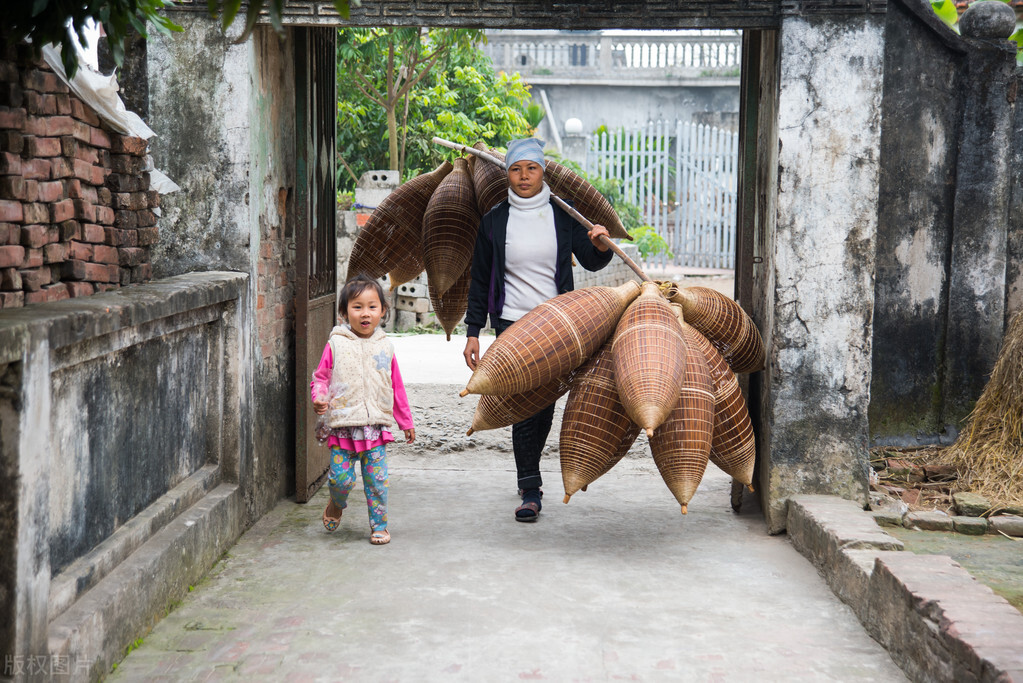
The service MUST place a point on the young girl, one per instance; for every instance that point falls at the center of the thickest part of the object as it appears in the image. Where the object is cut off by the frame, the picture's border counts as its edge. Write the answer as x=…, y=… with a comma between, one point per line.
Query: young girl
x=358, y=364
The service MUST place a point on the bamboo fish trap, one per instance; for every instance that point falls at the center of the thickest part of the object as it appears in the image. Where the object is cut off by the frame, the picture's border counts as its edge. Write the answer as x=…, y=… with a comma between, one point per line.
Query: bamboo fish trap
x=649, y=359
x=450, y=306
x=725, y=325
x=449, y=228
x=494, y=412
x=391, y=240
x=566, y=183
x=733, y=448
x=489, y=180
x=681, y=445
x=551, y=340
x=596, y=432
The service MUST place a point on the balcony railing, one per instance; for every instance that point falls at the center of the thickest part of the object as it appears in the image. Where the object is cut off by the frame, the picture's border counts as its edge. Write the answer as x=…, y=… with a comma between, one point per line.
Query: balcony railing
x=546, y=55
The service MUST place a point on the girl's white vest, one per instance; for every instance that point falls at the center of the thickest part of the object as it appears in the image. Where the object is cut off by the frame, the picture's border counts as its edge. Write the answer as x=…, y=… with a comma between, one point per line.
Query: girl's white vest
x=361, y=378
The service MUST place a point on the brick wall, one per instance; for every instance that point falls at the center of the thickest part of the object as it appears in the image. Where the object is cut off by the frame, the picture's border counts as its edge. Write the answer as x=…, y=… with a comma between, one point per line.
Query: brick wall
x=76, y=211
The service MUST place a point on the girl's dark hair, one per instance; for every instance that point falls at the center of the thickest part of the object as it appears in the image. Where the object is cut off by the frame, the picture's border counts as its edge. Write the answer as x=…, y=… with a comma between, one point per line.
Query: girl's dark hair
x=356, y=286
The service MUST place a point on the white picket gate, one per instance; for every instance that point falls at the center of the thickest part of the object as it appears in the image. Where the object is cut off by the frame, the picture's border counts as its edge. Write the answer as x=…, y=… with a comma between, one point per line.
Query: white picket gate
x=683, y=178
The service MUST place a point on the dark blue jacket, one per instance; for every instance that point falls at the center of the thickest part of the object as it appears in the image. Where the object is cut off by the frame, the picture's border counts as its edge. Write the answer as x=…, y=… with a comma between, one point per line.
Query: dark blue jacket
x=486, y=293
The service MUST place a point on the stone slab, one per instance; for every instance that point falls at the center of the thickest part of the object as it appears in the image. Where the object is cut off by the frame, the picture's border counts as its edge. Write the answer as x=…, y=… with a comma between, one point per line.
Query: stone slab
x=929, y=520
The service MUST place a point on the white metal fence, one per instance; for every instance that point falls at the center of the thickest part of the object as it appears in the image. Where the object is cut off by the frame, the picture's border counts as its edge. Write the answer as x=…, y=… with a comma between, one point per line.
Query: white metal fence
x=683, y=178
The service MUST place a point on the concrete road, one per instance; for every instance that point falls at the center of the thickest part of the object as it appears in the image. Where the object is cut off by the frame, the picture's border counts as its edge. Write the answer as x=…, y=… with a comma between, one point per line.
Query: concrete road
x=616, y=585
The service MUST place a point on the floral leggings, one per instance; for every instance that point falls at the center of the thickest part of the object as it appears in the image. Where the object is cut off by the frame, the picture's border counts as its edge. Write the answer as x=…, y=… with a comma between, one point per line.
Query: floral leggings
x=341, y=481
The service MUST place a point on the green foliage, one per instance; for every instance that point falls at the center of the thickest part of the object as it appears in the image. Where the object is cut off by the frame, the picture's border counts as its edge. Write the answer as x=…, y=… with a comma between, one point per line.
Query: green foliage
x=649, y=242
x=459, y=98
x=534, y=114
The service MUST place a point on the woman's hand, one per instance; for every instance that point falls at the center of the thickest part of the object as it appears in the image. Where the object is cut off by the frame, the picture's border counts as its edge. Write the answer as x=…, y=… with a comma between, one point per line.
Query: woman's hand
x=320, y=407
x=472, y=352
x=410, y=435
x=595, y=235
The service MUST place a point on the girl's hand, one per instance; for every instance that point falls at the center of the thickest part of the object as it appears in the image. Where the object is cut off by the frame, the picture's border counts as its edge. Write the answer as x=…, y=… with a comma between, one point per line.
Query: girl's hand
x=320, y=407
x=410, y=435
x=595, y=234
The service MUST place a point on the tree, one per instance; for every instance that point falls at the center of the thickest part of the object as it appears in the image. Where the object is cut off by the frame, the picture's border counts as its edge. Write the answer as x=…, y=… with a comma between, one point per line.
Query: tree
x=57, y=21
x=459, y=97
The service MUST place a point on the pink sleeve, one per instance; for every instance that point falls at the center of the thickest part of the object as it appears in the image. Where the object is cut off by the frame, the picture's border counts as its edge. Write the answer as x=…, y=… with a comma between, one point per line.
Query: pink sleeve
x=401, y=409
x=320, y=385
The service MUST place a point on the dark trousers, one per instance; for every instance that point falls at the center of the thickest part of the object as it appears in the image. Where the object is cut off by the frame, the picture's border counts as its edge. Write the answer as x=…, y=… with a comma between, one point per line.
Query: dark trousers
x=529, y=437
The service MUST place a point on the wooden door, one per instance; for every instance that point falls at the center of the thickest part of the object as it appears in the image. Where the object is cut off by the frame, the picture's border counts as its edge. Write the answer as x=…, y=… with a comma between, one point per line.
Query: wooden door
x=316, y=262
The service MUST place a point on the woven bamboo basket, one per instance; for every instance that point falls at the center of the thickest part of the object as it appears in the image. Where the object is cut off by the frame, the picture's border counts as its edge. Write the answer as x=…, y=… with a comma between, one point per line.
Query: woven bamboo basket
x=681, y=445
x=391, y=240
x=596, y=432
x=489, y=180
x=733, y=448
x=568, y=185
x=494, y=412
x=449, y=228
x=450, y=307
x=406, y=271
x=725, y=325
x=649, y=358
x=551, y=340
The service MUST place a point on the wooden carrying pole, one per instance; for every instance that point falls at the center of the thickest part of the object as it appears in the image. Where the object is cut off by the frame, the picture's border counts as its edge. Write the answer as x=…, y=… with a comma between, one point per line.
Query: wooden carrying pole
x=558, y=200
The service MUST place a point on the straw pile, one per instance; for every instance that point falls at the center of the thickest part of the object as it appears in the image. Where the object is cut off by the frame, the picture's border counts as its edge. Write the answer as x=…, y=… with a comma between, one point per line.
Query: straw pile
x=988, y=455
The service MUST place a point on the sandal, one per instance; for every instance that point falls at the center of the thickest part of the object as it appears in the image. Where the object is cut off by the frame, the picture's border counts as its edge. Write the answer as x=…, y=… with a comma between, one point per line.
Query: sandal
x=380, y=537
x=331, y=523
x=529, y=511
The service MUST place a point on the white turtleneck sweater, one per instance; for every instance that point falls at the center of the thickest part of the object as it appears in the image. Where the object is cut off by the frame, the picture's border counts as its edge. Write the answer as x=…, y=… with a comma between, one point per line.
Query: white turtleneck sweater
x=531, y=252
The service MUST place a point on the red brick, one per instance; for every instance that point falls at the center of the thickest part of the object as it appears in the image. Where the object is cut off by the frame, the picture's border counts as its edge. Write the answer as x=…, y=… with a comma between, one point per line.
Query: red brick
x=103, y=287
x=55, y=252
x=124, y=238
x=13, y=118
x=113, y=273
x=10, y=279
x=126, y=220
x=35, y=297
x=82, y=170
x=41, y=147
x=12, y=299
x=39, y=169
x=34, y=279
x=143, y=273
x=31, y=191
x=104, y=196
x=11, y=94
x=35, y=213
x=126, y=164
x=146, y=218
x=62, y=211
x=93, y=234
x=33, y=236
x=86, y=153
x=79, y=288
x=68, y=146
x=147, y=236
x=60, y=167
x=82, y=131
x=57, y=291
x=70, y=230
x=105, y=254
x=40, y=81
x=84, y=192
x=100, y=138
x=99, y=175
x=63, y=104
x=11, y=256
x=85, y=211
x=13, y=234
x=12, y=187
x=51, y=191
x=119, y=182
x=83, y=112
x=104, y=215
x=10, y=163
x=36, y=125
x=11, y=212
x=152, y=199
x=125, y=144
x=124, y=276
x=57, y=126
x=33, y=258
x=79, y=251
x=5, y=233
x=122, y=200
x=73, y=269
x=40, y=104
x=131, y=256
x=12, y=141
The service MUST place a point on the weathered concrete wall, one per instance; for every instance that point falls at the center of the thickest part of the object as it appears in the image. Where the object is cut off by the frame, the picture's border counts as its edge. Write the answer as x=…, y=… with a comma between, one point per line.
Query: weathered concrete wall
x=119, y=412
x=817, y=383
x=225, y=113
x=597, y=105
x=921, y=114
x=1014, y=272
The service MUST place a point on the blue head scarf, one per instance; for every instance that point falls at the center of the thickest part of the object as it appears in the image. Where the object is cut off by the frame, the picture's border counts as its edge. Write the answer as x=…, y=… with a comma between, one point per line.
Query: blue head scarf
x=529, y=149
